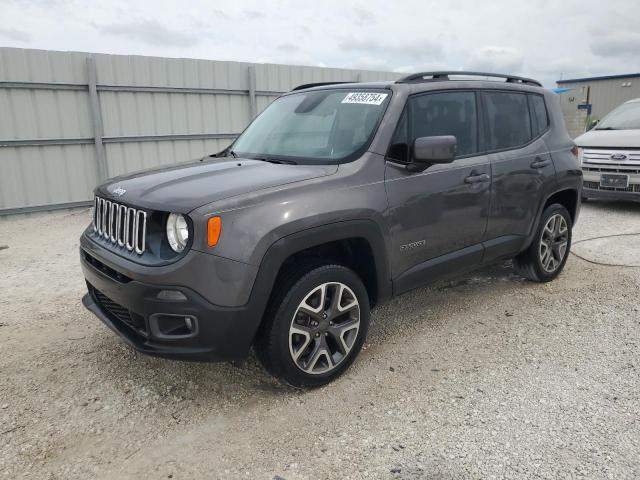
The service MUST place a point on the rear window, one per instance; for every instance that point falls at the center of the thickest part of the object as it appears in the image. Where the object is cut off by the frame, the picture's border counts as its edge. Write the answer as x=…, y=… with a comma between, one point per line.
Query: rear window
x=508, y=120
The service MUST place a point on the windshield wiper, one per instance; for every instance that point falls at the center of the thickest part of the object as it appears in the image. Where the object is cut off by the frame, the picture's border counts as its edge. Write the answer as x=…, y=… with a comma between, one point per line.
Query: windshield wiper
x=275, y=160
x=224, y=153
x=607, y=128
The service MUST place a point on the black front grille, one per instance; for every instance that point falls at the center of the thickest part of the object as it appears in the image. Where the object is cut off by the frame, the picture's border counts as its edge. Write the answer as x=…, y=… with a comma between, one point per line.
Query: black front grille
x=110, y=272
x=118, y=312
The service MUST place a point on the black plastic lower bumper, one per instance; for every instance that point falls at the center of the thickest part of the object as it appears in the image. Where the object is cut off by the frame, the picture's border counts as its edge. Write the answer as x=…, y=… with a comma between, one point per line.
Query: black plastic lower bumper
x=127, y=306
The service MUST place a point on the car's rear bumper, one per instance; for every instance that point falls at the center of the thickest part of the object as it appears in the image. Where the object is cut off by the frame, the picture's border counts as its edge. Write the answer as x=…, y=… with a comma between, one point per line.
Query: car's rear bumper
x=131, y=309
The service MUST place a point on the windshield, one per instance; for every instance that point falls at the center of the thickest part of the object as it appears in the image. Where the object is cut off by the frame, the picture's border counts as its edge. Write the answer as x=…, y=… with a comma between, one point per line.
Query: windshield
x=625, y=117
x=322, y=126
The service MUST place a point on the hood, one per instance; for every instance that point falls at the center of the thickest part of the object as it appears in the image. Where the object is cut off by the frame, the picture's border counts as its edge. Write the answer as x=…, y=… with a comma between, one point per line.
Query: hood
x=186, y=187
x=609, y=139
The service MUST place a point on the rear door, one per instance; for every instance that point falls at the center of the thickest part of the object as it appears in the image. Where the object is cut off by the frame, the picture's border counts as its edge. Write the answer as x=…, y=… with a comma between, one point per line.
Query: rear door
x=515, y=124
x=438, y=216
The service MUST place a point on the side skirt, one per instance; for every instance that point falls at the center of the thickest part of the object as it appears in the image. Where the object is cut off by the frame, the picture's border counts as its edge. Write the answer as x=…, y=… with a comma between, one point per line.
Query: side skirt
x=444, y=266
x=501, y=248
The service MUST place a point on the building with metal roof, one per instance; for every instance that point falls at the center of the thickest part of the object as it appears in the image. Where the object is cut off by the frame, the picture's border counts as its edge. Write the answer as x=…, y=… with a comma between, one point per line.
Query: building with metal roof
x=587, y=99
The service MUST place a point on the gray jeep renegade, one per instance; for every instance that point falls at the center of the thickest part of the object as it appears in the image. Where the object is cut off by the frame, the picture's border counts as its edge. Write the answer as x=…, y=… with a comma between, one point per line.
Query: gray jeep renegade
x=334, y=199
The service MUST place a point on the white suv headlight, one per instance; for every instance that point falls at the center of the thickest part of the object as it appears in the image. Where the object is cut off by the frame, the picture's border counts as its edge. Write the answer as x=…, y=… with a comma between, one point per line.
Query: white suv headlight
x=177, y=232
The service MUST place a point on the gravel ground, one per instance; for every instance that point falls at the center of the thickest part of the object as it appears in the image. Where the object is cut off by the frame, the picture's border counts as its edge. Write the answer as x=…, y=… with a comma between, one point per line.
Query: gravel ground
x=488, y=376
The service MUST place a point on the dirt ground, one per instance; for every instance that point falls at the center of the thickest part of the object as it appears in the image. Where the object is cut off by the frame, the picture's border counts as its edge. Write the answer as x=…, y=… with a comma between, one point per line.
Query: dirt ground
x=488, y=376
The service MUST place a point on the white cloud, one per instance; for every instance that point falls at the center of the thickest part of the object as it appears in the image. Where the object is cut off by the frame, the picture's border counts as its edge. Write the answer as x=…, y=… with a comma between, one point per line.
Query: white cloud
x=151, y=32
x=15, y=34
x=538, y=39
x=494, y=59
x=618, y=44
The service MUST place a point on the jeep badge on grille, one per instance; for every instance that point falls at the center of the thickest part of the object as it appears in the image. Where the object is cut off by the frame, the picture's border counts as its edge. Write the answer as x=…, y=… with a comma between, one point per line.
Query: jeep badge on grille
x=118, y=191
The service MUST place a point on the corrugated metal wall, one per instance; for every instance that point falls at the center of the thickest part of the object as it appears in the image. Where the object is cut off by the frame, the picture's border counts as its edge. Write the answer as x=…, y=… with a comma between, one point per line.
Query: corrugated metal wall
x=604, y=96
x=67, y=119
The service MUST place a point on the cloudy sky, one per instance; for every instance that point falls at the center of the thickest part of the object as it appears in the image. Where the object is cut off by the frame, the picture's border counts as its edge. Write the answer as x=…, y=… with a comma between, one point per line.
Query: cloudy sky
x=547, y=40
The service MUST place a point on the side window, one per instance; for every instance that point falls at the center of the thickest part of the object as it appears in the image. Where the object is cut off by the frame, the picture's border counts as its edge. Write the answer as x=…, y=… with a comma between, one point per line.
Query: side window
x=538, y=114
x=508, y=120
x=446, y=113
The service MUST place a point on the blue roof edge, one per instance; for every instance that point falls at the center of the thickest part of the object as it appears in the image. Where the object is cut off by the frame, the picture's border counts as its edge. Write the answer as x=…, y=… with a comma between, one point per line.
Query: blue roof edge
x=606, y=77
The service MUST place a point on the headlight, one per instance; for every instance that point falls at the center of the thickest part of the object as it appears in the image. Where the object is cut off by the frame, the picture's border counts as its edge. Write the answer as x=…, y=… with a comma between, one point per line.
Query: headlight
x=580, y=153
x=177, y=232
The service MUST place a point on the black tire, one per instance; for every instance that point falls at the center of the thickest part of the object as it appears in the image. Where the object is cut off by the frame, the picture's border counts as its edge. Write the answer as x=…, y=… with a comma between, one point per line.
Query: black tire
x=272, y=344
x=529, y=263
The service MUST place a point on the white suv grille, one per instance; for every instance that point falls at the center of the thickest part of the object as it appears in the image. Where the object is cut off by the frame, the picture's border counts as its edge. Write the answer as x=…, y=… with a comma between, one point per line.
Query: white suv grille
x=123, y=226
x=608, y=159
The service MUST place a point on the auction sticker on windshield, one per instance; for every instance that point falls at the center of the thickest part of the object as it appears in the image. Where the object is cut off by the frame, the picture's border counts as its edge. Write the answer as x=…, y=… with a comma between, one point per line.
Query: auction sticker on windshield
x=366, y=98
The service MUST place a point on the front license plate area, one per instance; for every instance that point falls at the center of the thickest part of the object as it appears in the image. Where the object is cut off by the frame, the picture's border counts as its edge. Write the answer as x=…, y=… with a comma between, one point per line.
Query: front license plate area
x=611, y=180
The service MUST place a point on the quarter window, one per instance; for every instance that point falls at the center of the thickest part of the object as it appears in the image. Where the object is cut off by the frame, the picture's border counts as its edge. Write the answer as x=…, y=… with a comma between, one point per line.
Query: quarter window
x=538, y=114
x=446, y=113
x=508, y=120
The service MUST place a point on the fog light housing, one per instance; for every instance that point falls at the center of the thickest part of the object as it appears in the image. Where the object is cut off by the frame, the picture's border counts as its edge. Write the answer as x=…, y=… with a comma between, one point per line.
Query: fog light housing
x=170, y=326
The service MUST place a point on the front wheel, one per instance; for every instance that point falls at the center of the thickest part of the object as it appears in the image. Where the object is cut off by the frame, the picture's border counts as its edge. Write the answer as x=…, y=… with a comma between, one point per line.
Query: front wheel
x=546, y=256
x=315, y=327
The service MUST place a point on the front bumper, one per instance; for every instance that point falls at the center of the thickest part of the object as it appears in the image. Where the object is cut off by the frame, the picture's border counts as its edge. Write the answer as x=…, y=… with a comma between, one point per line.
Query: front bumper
x=128, y=307
x=610, y=194
x=591, y=187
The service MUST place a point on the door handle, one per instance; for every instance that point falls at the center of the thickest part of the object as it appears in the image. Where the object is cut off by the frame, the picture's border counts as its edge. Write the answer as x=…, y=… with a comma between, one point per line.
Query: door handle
x=476, y=178
x=540, y=163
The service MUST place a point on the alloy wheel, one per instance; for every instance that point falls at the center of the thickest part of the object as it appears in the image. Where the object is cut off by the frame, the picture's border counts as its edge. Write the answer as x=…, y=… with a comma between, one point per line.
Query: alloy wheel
x=553, y=243
x=324, y=328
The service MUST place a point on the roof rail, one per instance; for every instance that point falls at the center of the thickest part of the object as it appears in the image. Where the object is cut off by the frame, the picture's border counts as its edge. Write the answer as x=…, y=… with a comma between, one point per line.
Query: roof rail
x=437, y=76
x=319, y=84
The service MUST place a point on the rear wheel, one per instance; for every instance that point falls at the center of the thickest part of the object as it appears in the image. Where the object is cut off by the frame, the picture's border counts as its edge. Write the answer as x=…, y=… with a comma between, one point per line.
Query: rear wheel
x=546, y=256
x=315, y=327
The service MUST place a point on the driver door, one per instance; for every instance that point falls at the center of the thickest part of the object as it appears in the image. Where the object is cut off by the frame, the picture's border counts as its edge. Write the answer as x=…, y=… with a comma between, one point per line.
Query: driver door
x=438, y=216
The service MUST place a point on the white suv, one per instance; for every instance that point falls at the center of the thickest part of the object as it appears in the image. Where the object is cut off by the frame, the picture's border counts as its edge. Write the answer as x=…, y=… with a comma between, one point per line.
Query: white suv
x=610, y=155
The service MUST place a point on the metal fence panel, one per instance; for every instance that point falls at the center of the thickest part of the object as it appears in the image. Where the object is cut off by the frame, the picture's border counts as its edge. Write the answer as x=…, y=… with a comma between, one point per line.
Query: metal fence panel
x=55, y=174
x=43, y=114
x=64, y=114
x=20, y=65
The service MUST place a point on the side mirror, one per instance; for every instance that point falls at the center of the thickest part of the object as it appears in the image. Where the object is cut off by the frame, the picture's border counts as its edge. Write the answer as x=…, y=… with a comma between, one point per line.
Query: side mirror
x=593, y=124
x=430, y=150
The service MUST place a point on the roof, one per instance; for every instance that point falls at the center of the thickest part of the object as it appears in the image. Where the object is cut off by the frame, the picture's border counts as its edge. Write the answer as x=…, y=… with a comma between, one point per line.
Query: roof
x=420, y=87
x=424, y=78
x=606, y=77
x=444, y=75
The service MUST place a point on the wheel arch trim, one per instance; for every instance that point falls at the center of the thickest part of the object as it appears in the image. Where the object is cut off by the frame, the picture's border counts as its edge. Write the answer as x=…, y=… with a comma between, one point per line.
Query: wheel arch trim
x=285, y=247
x=541, y=208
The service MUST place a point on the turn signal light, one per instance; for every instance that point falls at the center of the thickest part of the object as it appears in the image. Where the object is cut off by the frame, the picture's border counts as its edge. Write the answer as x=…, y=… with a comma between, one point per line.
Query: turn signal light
x=214, y=229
